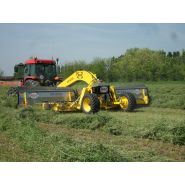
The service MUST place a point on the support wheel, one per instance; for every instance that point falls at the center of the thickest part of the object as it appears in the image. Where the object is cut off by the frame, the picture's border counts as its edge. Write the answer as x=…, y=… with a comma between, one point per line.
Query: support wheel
x=90, y=103
x=127, y=102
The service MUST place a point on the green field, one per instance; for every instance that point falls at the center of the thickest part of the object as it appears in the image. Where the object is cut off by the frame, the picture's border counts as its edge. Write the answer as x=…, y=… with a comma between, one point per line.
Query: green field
x=155, y=133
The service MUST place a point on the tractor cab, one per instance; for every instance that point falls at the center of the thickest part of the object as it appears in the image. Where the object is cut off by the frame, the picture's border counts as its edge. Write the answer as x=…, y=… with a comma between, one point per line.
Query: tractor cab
x=40, y=72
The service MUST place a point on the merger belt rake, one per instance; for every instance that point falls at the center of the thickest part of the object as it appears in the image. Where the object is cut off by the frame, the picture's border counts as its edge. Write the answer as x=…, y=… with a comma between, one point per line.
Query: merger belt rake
x=89, y=99
x=140, y=93
x=58, y=99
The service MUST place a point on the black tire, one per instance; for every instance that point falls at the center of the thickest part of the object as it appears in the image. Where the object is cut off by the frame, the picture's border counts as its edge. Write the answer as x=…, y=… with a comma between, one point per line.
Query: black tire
x=131, y=102
x=31, y=83
x=90, y=103
x=12, y=91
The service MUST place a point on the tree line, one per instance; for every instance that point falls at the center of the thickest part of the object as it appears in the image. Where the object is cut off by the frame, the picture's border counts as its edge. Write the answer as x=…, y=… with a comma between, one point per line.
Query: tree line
x=136, y=64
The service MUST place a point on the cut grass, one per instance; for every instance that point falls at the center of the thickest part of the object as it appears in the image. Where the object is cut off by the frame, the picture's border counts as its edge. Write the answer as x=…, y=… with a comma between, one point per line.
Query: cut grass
x=60, y=145
x=125, y=144
x=11, y=151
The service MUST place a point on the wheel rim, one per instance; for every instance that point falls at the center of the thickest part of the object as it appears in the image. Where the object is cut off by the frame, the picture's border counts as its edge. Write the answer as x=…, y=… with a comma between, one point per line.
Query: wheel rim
x=87, y=105
x=124, y=102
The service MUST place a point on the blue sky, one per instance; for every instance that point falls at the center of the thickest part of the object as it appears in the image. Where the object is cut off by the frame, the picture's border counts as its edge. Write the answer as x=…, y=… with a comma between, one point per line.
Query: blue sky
x=71, y=42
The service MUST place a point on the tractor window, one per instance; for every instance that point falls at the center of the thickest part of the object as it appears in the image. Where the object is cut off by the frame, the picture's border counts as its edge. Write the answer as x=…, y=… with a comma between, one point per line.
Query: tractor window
x=48, y=70
x=29, y=70
x=26, y=70
x=40, y=69
x=32, y=69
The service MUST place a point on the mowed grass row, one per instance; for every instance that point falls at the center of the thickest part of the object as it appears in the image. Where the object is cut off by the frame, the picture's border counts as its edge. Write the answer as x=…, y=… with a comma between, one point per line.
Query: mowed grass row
x=148, y=134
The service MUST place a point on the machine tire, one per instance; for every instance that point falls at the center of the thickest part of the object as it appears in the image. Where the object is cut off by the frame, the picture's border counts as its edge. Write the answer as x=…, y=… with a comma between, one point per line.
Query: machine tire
x=31, y=83
x=90, y=103
x=12, y=91
x=130, y=102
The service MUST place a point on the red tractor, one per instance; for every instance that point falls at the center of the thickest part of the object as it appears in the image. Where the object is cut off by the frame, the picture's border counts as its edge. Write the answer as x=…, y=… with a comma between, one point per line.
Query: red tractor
x=39, y=72
x=34, y=72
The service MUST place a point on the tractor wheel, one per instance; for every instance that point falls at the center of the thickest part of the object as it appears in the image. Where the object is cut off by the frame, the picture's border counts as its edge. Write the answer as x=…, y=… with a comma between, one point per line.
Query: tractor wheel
x=12, y=91
x=31, y=83
x=127, y=102
x=90, y=103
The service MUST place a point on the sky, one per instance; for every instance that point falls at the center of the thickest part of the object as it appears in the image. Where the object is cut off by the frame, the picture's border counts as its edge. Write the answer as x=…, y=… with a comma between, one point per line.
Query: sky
x=70, y=42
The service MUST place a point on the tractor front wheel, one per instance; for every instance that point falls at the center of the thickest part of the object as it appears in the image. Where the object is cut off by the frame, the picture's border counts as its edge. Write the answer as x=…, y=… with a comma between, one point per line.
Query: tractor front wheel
x=127, y=102
x=13, y=91
x=90, y=103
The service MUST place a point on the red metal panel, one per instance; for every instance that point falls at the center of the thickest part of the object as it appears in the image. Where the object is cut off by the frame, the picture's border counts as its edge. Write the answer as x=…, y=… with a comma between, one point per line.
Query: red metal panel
x=31, y=78
x=39, y=61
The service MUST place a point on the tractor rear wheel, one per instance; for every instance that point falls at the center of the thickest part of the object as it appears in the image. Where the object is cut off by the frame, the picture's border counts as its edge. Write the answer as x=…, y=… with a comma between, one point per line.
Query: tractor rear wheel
x=31, y=83
x=127, y=102
x=90, y=103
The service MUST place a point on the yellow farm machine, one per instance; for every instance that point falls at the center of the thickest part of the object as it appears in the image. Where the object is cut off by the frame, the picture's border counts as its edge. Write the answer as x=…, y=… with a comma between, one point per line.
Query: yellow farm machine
x=90, y=99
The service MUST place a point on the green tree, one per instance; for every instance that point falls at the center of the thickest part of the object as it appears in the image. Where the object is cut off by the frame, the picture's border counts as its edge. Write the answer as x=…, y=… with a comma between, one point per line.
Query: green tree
x=169, y=54
x=98, y=67
x=68, y=68
x=135, y=64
